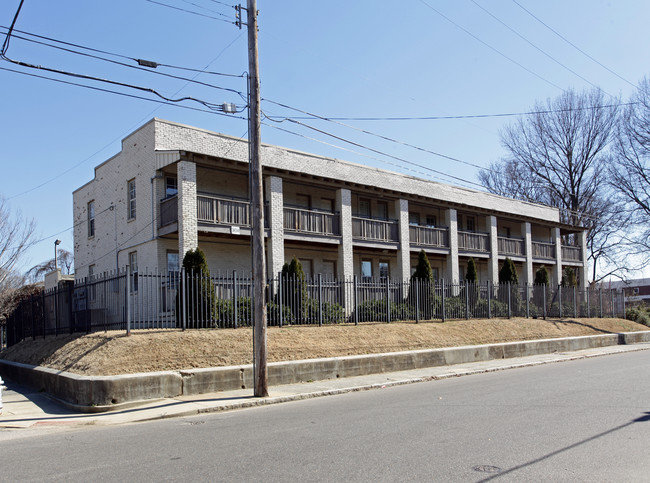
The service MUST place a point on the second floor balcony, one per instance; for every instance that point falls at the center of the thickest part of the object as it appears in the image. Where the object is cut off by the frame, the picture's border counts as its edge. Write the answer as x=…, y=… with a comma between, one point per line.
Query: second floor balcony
x=543, y=250
x=370, y=229
x=429, y=236
x=473, y=242
x=510, y=246
x=312, y=221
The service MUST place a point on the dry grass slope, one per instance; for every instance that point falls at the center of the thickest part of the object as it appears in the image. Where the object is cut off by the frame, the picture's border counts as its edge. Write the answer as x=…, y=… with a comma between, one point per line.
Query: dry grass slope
x=113, y=353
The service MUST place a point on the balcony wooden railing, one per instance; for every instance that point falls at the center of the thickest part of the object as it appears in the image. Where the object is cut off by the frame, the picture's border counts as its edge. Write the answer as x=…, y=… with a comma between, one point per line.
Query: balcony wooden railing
x=571, y=254
x=319, y=222
x=511, y=246
x=223, y=211
x=473, y=242
x=544, y=250
x=168, y=211
x=429, y=236
x=374, y=230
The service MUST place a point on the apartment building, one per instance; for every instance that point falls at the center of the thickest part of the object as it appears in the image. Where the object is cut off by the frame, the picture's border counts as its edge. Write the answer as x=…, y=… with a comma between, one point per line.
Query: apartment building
x=175, y=187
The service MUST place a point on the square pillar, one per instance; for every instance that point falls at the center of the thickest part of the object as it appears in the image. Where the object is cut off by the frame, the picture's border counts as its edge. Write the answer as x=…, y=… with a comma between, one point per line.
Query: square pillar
x=526, y=233
x=451, y=220
x=188, y=237
x=557, y=239
x=493, y=262
x=584, y=269
x=346, y=259
x=404, y=253
x=275, y=243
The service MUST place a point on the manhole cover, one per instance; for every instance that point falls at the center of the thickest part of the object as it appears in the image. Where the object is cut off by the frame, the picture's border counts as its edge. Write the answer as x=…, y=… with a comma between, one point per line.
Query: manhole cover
x=487, y=469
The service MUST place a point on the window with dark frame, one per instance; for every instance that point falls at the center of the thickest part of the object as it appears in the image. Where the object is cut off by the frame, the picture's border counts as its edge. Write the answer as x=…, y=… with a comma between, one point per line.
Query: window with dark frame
x=131, y=198
x=171, y=186
x=91, y=219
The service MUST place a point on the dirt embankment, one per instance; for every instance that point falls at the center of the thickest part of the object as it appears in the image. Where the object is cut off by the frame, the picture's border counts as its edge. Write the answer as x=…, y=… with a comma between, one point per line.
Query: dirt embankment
x=114, y=353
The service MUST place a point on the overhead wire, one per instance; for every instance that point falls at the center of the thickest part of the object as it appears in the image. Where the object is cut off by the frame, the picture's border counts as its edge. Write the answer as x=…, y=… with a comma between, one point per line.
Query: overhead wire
x=494, y=49
x=190, y=11
x=571, y=43
x=100, y=51
x=539, y=49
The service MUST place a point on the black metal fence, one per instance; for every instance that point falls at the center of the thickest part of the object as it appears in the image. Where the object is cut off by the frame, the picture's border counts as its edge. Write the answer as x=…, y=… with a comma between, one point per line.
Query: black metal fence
x=155, y=300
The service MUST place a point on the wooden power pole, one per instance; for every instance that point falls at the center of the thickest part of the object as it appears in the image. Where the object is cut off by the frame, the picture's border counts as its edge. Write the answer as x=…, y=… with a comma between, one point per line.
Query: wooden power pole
x=257, y=209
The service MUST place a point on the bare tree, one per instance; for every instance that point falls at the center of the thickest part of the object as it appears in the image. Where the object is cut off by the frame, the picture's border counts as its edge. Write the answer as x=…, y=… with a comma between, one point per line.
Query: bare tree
x=558, y=157
x=16, y=235
x=65, y=261
x=630, y=174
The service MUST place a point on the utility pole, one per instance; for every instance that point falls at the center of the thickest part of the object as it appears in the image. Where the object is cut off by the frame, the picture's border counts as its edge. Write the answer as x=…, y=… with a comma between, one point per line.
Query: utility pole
x=257, y=209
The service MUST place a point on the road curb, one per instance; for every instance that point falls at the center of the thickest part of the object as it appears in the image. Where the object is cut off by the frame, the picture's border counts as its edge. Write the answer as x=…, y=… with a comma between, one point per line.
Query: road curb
x=110, y=393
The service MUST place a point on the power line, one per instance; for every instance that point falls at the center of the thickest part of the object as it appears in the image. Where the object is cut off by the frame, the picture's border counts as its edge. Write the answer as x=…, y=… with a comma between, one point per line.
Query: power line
x=100, y=51
x=571, y=43
x=5, y=44
x=190, y=11
x=536, y=47
x=490, y=47
x=464, y=116
x=379, y=136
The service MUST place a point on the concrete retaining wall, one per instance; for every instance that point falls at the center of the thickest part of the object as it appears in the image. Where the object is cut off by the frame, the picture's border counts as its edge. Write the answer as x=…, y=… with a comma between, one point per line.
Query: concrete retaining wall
x=97, y=393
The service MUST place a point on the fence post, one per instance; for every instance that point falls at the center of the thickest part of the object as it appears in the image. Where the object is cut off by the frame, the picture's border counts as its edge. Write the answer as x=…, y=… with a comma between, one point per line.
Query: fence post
x=280, y=306
x=489, y=297
x=612, y=292
x=544, y=300
x=183, y=304
x=355, y=307
x=388, y=300
x=320, y=300
x=466, y=300
x=235, y=297
x=600, y=301
x=575, y=307
x=587, y=294
x=31, y=301
x=443, y=299
x=128, y=300
x=528, y=301
x=509, y=304
x=559, y=299
x=623, y=298
x=43, y=311
x=417, y=299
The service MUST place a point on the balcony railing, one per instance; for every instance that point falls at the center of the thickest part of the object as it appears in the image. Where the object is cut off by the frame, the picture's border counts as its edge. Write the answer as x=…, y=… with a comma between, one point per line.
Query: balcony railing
x=511, y=246
x=168, y=211
x=473, y=242
x=374, y=230
x=571, y=254
x=223, y=211
x=544, y=250
x=302, y=220
x=429, y=236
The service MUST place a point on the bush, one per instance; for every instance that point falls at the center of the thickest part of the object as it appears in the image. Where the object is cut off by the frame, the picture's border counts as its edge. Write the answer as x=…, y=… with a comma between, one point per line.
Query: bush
x=199, y=292
x=375, y=311
x=273, y=314
x=639, y=315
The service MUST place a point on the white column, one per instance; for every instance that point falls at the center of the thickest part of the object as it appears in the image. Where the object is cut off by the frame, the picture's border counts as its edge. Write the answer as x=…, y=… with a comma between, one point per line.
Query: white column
x=404, y=253
x=557, y=274
x=275, y=243
x=346, y=251
x=451, y=221
x=493, y=262
x=584, y=269
x=526, y=233
x=188, y=237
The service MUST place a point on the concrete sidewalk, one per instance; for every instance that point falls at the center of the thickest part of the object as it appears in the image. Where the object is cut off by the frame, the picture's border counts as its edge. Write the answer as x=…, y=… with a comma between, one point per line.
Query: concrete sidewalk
x=26, y=409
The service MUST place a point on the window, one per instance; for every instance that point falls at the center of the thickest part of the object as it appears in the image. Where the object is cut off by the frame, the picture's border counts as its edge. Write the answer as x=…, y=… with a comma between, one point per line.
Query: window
x=364, y=207
x=382, y=210
x=383, y=270
x=414, y=219
x=171, y=186
x=173, y=268
x=471, y=223
x=328, y=269
x=432, y=221
x=434, y=270
x=133, y=262
x=131, y=198
x=366, y=269
x=91, y=219
x=303, y=201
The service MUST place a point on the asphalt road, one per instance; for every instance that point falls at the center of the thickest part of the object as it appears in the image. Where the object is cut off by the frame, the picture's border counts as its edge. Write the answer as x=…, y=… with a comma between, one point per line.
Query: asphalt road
x=586, y=420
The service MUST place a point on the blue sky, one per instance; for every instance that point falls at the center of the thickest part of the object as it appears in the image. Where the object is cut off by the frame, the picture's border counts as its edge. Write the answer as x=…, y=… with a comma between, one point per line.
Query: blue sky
x=336, y=59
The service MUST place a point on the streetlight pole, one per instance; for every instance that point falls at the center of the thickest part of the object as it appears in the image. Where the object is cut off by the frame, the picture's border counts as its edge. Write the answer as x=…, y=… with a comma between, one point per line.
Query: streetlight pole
x=56, y=259
x=260, y=382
